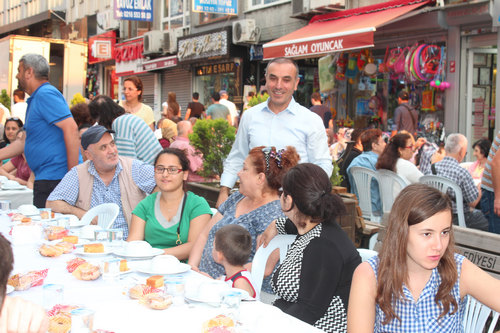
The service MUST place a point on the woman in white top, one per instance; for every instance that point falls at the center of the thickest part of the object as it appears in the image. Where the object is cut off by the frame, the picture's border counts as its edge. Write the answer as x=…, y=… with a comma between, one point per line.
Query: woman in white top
x=396, y=157
x=132, y=89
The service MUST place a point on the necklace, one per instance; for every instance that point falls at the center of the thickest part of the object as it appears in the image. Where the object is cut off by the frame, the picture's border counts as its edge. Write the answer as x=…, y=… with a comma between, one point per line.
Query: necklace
x=131, y=109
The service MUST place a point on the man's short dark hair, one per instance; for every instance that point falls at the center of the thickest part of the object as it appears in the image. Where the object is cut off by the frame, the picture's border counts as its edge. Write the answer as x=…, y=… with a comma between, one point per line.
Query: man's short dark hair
x=283, y=61
x=19, y=93
x=7, y=261
x=216, y=96
x=235, y=243
x=403, y=95
x=196, y=95
x=316, y=96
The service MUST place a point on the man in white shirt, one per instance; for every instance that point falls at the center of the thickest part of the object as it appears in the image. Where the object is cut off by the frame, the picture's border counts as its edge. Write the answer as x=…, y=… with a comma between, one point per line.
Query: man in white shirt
x=278, y=122
x=230, y=105
x=20, y=106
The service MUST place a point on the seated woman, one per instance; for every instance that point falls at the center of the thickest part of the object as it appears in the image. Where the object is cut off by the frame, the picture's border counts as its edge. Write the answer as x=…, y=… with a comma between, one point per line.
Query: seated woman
x=481, y=150
x=172, y=218
x=396, y=157
x=253, y=206
x=417, y=283
x=11, y=127
x=314, y=280
x=17, y=168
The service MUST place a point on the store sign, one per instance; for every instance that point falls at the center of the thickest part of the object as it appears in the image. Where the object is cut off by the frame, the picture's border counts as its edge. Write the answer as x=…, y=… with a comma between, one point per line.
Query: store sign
x=228, y=7
x=160, y=63
x=128, y=57
x=224, y=68
x=101, y=47
x=135, y=10
x=256, y=52
x=203, y=46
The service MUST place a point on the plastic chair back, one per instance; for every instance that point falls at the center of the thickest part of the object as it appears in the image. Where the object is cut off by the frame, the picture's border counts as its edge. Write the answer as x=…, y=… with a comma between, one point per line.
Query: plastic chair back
x=106, y=215
x=281, y=242
x=389, y=185
x=363, y=180
x=445, y=185
x=476, y=315
x=366, y=254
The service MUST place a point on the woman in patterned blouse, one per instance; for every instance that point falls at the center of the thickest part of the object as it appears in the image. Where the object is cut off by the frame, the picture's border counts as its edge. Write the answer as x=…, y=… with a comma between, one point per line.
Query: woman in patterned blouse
x=418, y=283
x=314, y=279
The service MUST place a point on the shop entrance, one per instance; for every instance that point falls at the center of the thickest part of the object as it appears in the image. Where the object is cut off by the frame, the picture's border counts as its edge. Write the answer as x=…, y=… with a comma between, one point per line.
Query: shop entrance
x=481, y=67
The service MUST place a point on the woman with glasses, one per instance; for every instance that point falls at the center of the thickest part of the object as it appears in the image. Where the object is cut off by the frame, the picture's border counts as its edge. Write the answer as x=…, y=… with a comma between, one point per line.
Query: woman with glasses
x=132, y=90
x=396, y=157
x=172, y=218
x=253, y=206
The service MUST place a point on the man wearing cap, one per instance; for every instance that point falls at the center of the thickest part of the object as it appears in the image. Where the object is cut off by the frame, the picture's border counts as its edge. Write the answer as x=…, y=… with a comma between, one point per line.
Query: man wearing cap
x=229, y=105
x=105, y=177
x=405, y=116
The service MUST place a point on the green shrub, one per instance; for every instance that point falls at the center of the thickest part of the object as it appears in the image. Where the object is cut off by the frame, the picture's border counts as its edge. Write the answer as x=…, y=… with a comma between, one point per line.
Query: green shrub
x=257, y=99
x=214, y=138
x=336, y=179
x=5, y=99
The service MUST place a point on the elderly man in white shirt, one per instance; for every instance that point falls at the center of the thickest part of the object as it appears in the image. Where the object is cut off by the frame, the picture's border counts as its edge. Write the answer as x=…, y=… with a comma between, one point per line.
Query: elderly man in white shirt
x=279, y=122
x=228, y=104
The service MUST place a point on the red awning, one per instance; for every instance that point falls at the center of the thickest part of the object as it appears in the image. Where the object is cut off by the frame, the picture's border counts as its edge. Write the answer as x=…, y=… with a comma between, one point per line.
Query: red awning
x=338, y=31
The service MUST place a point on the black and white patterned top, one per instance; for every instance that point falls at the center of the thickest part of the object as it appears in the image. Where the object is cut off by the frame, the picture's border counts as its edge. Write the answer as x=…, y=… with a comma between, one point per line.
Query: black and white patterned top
x=314, y=280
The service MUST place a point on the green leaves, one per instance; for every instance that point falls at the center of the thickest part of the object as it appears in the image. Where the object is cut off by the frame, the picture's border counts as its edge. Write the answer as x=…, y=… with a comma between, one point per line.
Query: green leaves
x=214, y=138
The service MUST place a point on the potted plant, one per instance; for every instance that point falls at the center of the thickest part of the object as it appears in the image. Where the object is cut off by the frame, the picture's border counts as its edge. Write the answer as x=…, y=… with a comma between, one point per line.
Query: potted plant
x=214, y=139
x=5, y=99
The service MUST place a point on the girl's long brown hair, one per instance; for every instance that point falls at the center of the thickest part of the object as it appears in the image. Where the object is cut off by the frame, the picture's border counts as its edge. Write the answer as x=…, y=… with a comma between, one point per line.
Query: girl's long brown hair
x=413, y=205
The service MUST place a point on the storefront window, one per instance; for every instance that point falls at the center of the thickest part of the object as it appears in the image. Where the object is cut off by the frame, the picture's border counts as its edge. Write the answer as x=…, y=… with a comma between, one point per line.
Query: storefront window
x=256, y=4
x=210, y=18
x=213, y=78
x=175, y=14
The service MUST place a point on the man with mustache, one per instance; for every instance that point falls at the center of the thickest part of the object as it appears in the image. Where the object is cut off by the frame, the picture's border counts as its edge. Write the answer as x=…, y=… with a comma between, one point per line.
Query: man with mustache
x=279, y=122
x=103, y=178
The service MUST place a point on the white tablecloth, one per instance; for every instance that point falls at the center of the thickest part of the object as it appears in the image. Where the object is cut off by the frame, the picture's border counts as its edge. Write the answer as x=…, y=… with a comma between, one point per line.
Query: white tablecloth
x=17, y=197
x=115, y=311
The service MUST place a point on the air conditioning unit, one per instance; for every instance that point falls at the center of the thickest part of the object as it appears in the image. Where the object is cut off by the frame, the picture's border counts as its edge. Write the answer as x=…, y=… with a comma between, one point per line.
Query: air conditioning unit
x=153, y=42
x=170, y=39
x=244, y=31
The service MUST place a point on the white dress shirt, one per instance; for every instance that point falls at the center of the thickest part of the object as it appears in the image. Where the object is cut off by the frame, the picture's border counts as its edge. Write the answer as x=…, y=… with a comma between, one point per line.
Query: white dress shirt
x=295, y=126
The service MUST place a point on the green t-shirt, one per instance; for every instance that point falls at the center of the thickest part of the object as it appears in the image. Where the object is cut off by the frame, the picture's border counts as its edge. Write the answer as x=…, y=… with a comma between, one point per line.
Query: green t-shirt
x=161, y=237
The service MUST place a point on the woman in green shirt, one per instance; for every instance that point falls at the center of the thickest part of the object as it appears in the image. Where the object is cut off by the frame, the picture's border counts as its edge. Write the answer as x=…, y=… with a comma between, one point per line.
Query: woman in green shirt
x=172, y=218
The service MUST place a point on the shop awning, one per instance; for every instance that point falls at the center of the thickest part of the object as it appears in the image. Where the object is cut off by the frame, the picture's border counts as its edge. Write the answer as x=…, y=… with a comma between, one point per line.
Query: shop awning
x=341, y=31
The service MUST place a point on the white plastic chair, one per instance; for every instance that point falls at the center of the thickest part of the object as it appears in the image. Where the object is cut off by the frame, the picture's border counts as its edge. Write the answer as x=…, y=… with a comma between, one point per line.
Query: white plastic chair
x=106, y=215
x=373, y=241
x=363, y=180
x=389, y=185
x=366, y=254
x=476, y=315
x=444, y=184
x=260, y=259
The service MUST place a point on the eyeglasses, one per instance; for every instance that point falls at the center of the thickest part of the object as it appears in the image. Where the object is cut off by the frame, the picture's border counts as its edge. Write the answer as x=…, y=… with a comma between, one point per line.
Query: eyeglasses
x=12, y=118
x=170, y=170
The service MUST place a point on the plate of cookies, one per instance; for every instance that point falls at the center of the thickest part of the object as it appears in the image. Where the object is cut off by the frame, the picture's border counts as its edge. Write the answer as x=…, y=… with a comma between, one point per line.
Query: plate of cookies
x=93, y=250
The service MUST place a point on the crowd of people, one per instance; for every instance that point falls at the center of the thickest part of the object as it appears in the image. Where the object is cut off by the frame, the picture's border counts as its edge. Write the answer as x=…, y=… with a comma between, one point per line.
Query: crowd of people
x=110, y=152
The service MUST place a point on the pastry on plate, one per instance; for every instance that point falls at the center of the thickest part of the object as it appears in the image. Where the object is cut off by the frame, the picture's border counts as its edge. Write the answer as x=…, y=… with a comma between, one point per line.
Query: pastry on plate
x=93, y=248
x=66, y=247
x=157, y=301
x=50, y=250
x=220, y=323
x=87, y=272
x=155, y=281
x=70, y=239
x=60, y=323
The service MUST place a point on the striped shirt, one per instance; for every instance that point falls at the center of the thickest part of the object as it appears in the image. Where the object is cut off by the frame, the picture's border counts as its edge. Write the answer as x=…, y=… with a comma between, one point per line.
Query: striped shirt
x=135, y=139
x=486, y=181
x=422, y=315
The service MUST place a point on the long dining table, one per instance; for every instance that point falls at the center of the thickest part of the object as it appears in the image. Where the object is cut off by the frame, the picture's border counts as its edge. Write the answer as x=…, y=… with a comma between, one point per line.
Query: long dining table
x=115, y=311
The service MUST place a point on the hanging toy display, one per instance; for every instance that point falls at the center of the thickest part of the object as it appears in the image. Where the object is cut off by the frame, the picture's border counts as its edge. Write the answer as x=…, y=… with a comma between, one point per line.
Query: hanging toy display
x=341, y=67
x=438, y=81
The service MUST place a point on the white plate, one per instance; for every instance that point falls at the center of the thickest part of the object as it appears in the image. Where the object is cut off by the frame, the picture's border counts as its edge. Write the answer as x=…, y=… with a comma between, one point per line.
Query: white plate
x=77, y=224
x=10, y=289
x=243, y=294
x=80, y=251
x=124, y=254
x=146, y=268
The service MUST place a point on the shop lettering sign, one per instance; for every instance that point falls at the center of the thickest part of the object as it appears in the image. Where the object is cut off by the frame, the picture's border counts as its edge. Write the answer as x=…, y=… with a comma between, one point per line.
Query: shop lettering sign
x=160, y=63
x=101, y=47
x=134, y=10
x=228, y=67
x=319, y=47
x=203, y=46
x=128, y=57
x=229, y=7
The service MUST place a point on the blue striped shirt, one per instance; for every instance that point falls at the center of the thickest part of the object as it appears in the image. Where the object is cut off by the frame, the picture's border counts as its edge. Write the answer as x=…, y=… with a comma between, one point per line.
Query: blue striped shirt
x=135, y=139
x=67, y=190
x=422, y=315
x=487, y=181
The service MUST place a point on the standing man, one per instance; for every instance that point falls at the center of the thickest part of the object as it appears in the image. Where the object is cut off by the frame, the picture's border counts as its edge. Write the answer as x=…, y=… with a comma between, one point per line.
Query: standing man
x=279, y=122
x=229, y=105
x=217, y=110
x=20, y=106
x=405, y=116
x=195, y=108
x=321, y=110
x=52, y=143
x=490, y=188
